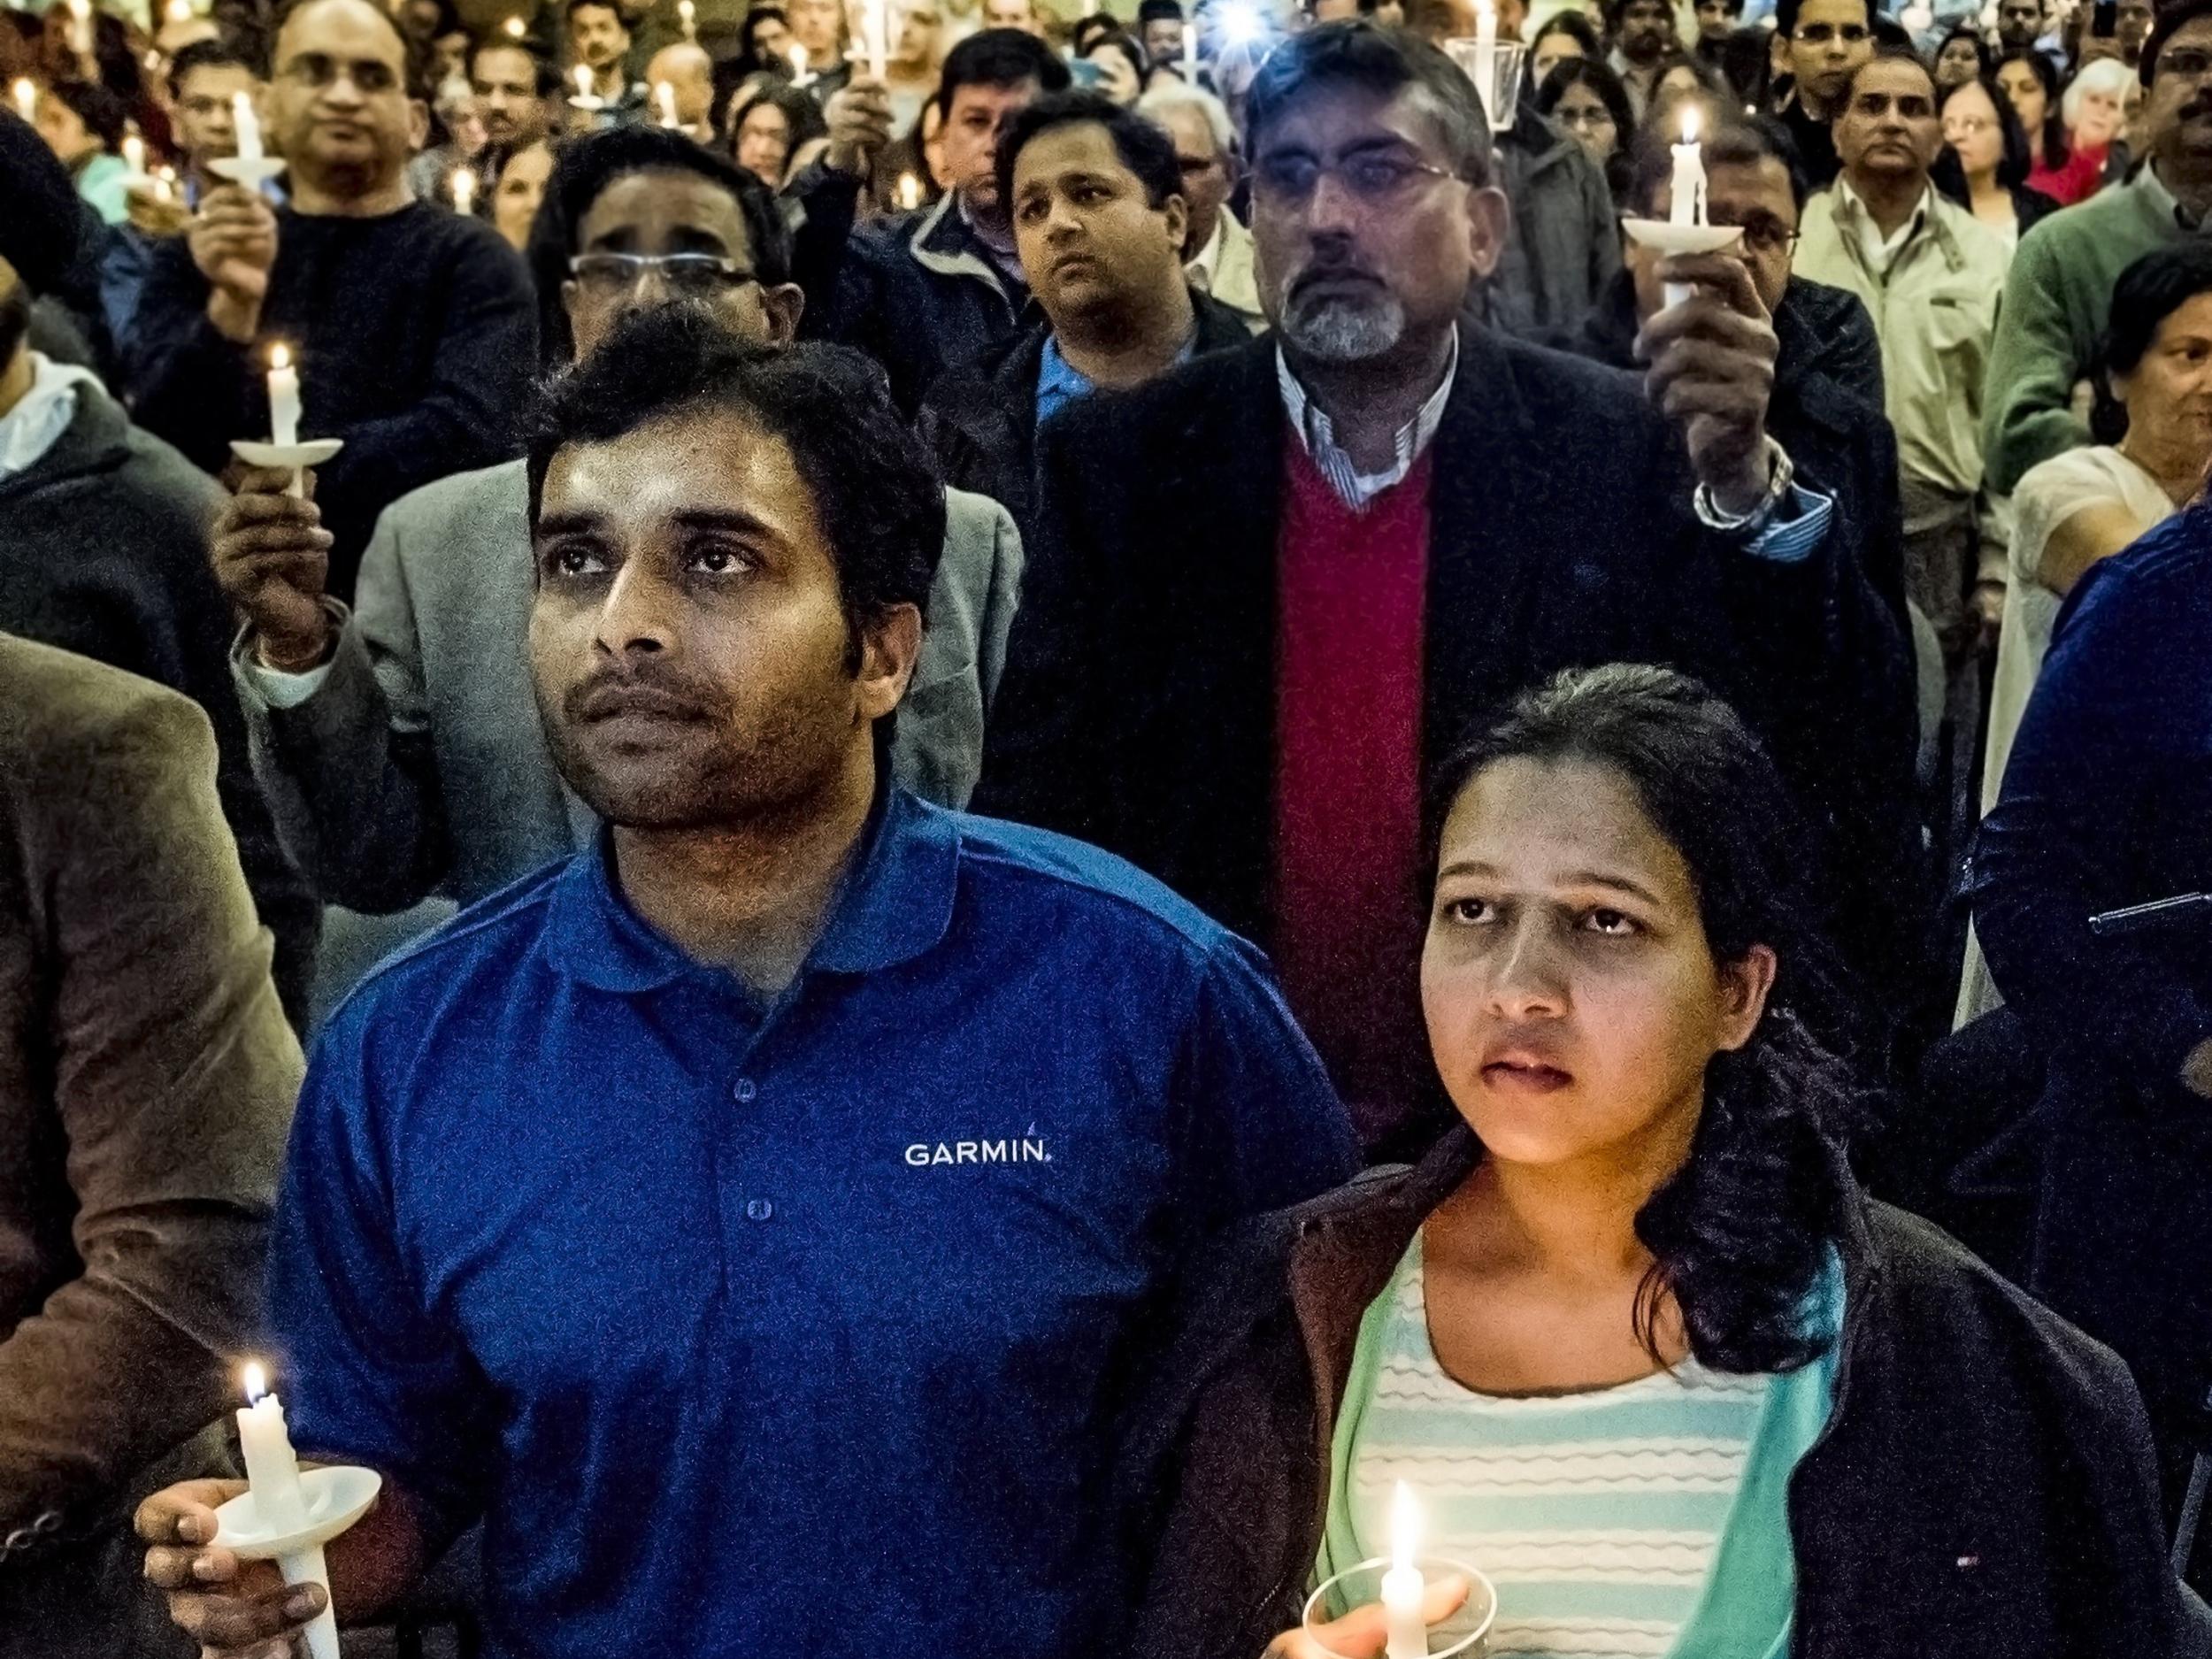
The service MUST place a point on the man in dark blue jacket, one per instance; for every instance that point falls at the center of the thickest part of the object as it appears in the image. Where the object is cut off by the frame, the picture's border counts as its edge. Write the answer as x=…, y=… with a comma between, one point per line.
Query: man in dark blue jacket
x=923, y=289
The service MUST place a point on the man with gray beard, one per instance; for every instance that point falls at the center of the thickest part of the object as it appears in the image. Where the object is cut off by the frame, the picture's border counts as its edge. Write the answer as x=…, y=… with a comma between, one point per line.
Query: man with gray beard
x=1278, y=585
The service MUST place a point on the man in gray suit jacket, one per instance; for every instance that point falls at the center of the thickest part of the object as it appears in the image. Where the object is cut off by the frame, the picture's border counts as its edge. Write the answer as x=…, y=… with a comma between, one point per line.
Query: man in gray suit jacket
x=398, y=742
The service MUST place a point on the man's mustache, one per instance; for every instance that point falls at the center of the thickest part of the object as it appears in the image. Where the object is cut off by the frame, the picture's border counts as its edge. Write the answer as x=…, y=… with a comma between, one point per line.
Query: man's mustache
x=669, y=696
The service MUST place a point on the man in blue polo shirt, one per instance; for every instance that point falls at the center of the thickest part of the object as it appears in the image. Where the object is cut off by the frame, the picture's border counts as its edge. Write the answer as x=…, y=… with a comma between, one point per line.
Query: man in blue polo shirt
x=756, y=1220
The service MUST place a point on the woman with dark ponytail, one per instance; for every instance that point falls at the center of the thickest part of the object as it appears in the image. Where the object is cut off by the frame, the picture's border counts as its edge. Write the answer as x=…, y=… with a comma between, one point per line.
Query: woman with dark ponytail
x=1631, y=1332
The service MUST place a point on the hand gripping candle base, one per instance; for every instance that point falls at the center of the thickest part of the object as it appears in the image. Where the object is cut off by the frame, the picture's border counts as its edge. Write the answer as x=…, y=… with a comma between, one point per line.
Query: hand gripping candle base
x=289, y=1513
x=1683, y=230
x=285, y=447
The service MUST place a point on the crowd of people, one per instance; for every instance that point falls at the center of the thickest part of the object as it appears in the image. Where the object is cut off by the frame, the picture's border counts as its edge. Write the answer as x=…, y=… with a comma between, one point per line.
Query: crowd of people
x=916, y=826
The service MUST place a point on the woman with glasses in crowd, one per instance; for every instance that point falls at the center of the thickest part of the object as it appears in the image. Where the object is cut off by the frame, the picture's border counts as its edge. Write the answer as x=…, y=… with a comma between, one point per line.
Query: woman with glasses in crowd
x=1985, y=159
x=1590, y=105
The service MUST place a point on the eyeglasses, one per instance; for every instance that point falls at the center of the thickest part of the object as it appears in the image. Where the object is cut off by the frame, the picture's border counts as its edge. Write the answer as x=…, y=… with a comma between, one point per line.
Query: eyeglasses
x=1765, y=235
x=1821, y=33
x=692, y=275
x=2184, y=63
x=1958, y=126
x=1375, y=180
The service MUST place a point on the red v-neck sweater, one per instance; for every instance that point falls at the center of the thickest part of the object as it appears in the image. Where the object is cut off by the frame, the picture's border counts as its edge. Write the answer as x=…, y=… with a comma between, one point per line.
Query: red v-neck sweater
x=1351, y=605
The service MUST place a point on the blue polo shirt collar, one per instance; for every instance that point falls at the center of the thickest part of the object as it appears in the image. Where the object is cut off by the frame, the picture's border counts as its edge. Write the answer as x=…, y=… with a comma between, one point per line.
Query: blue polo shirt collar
x=895, y=903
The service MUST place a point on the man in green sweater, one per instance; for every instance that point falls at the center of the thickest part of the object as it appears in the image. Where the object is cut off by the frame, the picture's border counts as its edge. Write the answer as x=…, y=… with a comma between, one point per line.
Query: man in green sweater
x=2057, y=298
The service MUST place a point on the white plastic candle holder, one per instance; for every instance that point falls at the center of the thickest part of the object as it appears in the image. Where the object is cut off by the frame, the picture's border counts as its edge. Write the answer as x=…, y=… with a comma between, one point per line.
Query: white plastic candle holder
x=252, y=174
x=333, y=1500
x=1500, y=89
x=1659, y=235
x=1462, y=1633
x=298, y=457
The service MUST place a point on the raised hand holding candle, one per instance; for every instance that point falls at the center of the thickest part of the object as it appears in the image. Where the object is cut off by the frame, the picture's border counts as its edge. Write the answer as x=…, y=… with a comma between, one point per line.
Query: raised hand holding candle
x=1402, y=1588
x=284, y=398
x=247, y=126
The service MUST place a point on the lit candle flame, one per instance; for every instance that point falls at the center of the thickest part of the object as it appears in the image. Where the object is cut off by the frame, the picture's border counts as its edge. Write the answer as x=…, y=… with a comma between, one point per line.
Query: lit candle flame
x=179, y=10
x=257, y=1379
x=798, y=61
x=280, y=358
x=1689, y=123
x=513, y=25
x=910, y=191
x=26, y=99
x=1405, y=1527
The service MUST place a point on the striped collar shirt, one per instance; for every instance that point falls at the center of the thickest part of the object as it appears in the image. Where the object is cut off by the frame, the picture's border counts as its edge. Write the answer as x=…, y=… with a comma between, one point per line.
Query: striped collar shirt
x=1355, y=488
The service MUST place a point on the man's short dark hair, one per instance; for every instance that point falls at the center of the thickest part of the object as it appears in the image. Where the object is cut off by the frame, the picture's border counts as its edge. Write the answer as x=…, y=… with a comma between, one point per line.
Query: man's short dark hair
x=1142, y=144
x=1353, y=52
x=1000, y=58
x=220, y=53
x=1785, y=16
x=2171, y=18
x=574, y=6
x=545, y=78
x=584, y=167
x=104, y=115
x=877, y=493
x=1159, y=11
x=1743, y=143
x=1616, y=10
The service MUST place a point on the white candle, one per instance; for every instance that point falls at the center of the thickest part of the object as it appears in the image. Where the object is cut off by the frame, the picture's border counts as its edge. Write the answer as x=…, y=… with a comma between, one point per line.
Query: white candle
x=1487, y=59
x=165, y=184
x=878, y=22
x=25, y=100
x=909, y=192
x=1687, y=206
x=464, y=191
x=272, y=1469
x=135, y=154
x=1190, y=53
x=80, y=27
x=665, y=95
x=247, y=127
x=284, y=398
x=585, y=98
x=799, y=76
x=1402, y=1591
x=689, y=15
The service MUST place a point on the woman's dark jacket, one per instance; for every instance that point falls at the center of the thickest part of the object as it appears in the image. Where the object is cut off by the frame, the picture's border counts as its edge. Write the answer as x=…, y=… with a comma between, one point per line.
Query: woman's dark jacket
x=1984, y=1489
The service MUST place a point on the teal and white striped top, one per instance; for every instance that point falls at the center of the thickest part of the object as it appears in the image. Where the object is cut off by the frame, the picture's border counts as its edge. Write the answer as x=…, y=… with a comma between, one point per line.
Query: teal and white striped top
x=1599, y=1516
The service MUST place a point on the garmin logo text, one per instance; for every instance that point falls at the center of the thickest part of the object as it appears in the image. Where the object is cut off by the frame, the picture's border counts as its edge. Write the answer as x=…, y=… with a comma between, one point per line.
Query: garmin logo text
x=923, y=1153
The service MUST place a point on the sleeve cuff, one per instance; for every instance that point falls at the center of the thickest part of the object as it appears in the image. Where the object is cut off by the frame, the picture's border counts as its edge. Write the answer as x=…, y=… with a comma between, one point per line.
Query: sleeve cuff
x=283, y=690
x=1799, y=525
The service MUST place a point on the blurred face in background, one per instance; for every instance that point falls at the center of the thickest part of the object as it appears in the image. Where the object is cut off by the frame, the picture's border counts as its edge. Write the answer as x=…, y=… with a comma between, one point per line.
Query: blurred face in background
x=1973, y=130
x=2030, y=102
x=762, y=144
x=520, y=189
x=1553, y=50
x=205, y=129
x=819, y=25
x=2096, y=119
x=505, y=79
x=1588, y=122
